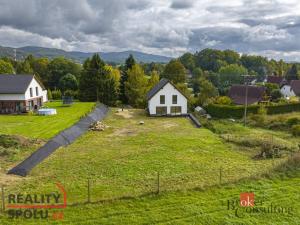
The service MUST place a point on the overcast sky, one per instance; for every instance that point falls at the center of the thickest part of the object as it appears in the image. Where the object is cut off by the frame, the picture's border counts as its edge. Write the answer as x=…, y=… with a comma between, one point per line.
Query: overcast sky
x=166, y=27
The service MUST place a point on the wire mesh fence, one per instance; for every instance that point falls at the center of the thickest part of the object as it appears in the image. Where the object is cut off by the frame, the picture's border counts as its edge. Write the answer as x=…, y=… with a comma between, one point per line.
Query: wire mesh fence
x=92, y=189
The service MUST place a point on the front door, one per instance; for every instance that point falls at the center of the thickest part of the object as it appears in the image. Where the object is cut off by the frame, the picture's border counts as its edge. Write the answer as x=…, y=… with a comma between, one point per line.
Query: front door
x=18, y=106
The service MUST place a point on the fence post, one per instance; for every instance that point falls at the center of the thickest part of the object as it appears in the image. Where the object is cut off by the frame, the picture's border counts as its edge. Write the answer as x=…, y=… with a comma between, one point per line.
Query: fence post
x=89, y=190
x=158, y=183
x=3, y=198
x=220, y=175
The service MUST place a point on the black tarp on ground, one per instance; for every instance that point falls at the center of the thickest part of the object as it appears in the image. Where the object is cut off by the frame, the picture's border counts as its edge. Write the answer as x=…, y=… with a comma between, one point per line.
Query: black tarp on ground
x=64, y=138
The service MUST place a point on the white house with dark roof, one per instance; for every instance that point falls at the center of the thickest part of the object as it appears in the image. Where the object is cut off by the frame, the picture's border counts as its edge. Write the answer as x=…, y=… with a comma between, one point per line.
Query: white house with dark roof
x=291, y=90
x=165, y=99
x=21, y=93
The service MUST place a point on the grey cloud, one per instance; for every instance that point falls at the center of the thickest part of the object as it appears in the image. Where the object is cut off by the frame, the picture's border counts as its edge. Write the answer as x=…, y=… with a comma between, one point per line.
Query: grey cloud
x=181, y=4
x=262, y=26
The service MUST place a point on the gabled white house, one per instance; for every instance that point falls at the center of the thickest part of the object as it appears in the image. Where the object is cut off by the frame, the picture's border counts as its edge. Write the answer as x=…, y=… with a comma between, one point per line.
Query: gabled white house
x=21, y=93
x=165, y=99
x=291, y=90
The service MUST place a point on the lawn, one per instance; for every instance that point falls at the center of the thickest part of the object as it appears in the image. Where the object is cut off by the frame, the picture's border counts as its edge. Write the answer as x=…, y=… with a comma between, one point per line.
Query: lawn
x=34, y=131
x=44, y=127
x=197, y=207
x=207, y=207
x=124, y=161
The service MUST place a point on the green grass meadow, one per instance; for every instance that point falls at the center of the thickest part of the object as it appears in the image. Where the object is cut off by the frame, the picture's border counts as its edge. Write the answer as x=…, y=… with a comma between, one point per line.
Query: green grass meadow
x=198, y=169
x=44, y=127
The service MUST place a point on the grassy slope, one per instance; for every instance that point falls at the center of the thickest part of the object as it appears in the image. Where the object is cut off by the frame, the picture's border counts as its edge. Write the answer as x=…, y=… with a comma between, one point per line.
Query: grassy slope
x=44, y=126
x=207, y=207
x=123, y=161
x=196, y=207
x=32, y=126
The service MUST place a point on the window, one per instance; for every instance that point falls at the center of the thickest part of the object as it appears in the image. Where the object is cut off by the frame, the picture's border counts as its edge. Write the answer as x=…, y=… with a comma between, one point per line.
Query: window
x=174, y=99
x=37, y=91
x=31, y=95
x=162, y=99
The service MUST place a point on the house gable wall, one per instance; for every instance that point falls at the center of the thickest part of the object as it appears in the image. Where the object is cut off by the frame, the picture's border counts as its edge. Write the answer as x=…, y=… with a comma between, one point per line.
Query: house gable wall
x=41, y=93
x=168, y=91
x=286, y=91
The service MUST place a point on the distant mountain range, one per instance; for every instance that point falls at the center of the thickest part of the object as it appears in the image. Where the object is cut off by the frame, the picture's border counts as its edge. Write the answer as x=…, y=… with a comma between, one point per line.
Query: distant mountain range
x=115, y=57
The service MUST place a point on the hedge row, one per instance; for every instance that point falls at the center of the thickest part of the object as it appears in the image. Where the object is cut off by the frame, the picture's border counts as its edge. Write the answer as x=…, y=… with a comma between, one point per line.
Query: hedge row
x=229, y=111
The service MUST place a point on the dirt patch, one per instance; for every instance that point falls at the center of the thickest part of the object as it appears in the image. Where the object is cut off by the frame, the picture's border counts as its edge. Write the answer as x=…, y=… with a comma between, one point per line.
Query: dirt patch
x=125, y=113
x=124, y=132
x=169, y=124
x=15, y=141
x=7, y=180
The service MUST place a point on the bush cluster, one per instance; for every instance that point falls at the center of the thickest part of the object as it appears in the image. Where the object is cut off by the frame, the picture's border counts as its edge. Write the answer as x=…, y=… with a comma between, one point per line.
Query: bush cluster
x=236, y=111
x=296, y=130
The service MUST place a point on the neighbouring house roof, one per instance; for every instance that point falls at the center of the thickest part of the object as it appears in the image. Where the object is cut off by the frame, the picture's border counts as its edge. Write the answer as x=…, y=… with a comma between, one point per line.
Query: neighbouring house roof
x=237, y=93
x=15, y=83
x=159, y=86
x=275, y=80
x=250, y=79
x=295, y=86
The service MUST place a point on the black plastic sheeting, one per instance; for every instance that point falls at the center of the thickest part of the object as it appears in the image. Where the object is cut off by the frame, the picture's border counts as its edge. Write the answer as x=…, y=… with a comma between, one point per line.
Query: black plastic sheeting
x=194, y=120
x=64, y=138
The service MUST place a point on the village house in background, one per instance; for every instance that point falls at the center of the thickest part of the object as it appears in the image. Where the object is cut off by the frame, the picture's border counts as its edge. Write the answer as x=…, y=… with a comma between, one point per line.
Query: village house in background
x=255, y=94
x=291, y=90
x=275, y=80
x=21, y=93
x=165, y=99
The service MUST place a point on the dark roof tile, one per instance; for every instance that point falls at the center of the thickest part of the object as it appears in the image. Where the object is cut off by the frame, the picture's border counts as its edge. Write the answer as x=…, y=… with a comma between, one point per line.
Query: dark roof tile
x=238, y=92
x=295, y=86
x=157, y=87
x=275, y=80
x=14, y=84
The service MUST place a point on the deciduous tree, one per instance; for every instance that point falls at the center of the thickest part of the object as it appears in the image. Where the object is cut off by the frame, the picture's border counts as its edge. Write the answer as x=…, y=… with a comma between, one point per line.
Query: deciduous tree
x=136, y=86
x=175, y=72
x=6, y=67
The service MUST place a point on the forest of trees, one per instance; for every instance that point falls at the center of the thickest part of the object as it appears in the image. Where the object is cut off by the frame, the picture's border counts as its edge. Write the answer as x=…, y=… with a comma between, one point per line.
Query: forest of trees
x=201, y=76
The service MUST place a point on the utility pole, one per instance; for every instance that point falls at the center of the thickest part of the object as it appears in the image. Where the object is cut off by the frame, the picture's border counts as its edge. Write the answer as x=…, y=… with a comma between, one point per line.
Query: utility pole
x=246, y=98
x=15, y=55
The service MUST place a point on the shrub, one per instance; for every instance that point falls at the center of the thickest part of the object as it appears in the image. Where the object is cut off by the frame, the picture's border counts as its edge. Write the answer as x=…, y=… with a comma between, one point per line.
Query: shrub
x=262, y=110
x=71, y=93
x=296, y=130
x=283, y=101
x=291, y=164
x=208, y=125
x=276, y=94
x=49, y=94
x=229, y=111
x=223, y=100
x=293, y=121
x=258, y=119
x=235, y=111
x=265, y=143
x=8, y=141
x=269, y=151
x=56, y=94
x=294, y=100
